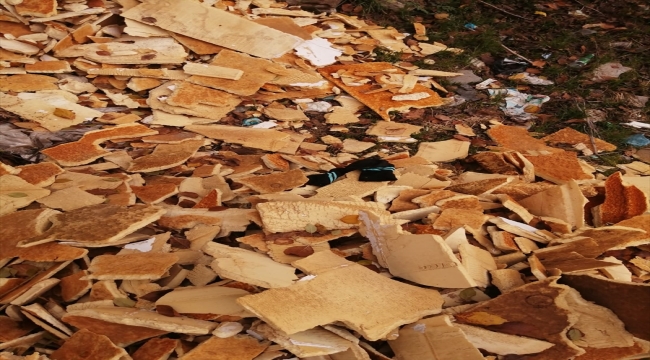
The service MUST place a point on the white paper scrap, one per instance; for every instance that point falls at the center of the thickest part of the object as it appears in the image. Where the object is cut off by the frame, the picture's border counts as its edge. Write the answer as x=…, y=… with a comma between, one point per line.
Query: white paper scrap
x=318, y=51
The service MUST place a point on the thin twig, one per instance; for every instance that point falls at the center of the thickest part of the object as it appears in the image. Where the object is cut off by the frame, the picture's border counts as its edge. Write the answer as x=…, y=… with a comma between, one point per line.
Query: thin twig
x=592, y=129
x=514, y=53
x=502, y=10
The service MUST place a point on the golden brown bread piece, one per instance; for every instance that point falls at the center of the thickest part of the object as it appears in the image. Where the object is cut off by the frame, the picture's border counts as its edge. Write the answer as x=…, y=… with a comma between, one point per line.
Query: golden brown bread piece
x=622, y=202
x=518, y=139
x=25, y=224
x=87, y=149
x=97, y=223
x=380, y=102
x=573, y=137
x=28, y=82
x=559, y=167
x=166, y=156
x=37, y=8
x=41, y=174
x=156, y=349
x=153, y=194
x=495, y=163
x=87, y=345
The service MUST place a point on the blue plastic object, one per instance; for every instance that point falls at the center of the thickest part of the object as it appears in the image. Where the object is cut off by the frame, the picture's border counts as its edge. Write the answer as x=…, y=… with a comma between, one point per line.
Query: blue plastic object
x=251, y=121
x=637, y=140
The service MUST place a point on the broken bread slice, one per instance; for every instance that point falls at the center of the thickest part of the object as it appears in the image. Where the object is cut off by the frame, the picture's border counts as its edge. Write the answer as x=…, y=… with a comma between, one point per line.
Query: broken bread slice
x=97, y=223
x=249, y=267
x=147, y=319
x=286, y=216
x=551, y=321
x=135, y=266
x=242, y=347
x=622, y=201
x=92, y=345
x=433, y=338
x=380, y=102
x=424, y=258
x=119, y=334
x=16, y=193
x=87, y=149
x=166, y=156
x=276, y=182
x=342, y=291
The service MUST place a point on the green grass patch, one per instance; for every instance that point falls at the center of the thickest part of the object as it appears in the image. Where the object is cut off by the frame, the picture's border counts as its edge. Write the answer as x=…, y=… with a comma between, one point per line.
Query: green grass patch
x=613, y=132
x=386, y=55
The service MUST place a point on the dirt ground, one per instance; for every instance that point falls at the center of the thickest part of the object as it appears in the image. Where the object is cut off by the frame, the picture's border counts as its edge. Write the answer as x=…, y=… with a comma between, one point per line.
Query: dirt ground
x=546, y=33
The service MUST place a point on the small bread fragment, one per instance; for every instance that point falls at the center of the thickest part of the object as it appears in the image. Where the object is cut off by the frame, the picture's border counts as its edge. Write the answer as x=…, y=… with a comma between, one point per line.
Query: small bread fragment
x=86, y=345
x=16, y=193
x=218, y=300
x=241, y=347
x=452, y=218
x=49, y=67
x=28, y=82
x=87, y=149
x=405, y=200
x=156, y=349
x=285, y=216
x=147, y=319
x=74, y=286
x=518, y=139
x=500, y=343
x=70, y=199
x=565, y=202
x=155, y=193
x=135, y=266
x=41, y=174
x=559, y=167
x=573, y=137
x=265, y=139
x=275, y=182
x=52, y=110
x=120, y=335
x=433, y=338
x=249, y=267
x=306, y=344
x=622, y=201
x=480, y=187
x=495, y=163
x=166, y=156
x=422, y=258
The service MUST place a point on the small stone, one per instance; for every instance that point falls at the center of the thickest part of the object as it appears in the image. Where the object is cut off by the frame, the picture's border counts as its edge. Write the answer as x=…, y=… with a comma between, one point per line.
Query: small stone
x=468, y=77
x=228, y=329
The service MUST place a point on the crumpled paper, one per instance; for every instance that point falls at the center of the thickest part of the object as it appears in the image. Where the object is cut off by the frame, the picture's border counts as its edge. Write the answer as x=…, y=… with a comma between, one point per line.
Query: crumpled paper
x=527, y=78
x=609, y=71
x=520, y=106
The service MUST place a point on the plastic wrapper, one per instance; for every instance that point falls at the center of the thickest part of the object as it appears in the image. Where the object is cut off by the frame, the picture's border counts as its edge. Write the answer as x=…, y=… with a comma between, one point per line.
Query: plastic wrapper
x=520, y=106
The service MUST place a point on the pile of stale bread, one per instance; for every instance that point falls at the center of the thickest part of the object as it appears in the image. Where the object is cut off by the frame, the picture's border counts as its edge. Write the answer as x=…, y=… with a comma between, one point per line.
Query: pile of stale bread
x=175, y=189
